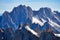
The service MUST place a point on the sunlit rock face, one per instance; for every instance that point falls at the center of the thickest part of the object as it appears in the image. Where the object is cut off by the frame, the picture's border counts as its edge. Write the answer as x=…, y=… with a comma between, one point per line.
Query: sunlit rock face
x=42, y=19
x=19, y=15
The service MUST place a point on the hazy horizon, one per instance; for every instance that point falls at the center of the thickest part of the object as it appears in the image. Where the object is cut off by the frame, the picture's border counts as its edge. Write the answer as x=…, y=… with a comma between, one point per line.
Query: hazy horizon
x=8, y=5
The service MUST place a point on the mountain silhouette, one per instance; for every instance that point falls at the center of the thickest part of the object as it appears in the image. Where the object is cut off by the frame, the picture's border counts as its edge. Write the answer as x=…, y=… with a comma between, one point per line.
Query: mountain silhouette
x=24, y=14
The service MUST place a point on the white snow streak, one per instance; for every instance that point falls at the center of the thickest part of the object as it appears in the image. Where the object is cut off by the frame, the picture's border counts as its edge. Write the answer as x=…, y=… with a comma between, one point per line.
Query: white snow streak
x=55, y=25
x=58, y=35
x=32, y=31
x=57, y=18
x=37, y=21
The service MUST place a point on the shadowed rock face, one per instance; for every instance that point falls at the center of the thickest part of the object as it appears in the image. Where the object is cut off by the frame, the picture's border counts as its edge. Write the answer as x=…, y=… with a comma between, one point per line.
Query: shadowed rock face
x=48, y=36
x=21, y=15
x=0, y=18
x=23, y=34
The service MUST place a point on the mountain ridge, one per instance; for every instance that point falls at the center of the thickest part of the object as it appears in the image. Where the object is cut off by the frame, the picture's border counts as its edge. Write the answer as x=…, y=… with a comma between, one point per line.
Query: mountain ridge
x=23, y=14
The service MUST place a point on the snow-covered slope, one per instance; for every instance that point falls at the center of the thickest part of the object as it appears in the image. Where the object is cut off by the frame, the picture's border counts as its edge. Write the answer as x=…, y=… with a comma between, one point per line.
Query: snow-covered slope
x=32, y=31
x=37, y=21
x=23, y=14
x=58, y=35
x=53, y=24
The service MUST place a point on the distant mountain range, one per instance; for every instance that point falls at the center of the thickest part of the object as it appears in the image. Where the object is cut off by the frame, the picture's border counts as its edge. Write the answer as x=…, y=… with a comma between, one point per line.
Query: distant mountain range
x=45, y=18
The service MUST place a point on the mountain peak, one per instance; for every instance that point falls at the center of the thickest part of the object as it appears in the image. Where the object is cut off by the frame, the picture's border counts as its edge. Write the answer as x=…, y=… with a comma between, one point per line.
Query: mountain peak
x=45, y=8
x=21, y=6
x=56, y=12
x=22, y=14
x=6, y=13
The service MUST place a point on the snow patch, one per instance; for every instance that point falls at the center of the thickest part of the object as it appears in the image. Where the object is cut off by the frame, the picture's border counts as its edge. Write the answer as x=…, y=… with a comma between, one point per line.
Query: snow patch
x=32, y=31
x=55, y=25
x=37, y=21
x=57, y=18
x=58, y=35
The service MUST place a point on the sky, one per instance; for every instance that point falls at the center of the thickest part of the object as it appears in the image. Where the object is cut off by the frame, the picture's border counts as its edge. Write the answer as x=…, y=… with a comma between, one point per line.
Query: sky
x=8, y=5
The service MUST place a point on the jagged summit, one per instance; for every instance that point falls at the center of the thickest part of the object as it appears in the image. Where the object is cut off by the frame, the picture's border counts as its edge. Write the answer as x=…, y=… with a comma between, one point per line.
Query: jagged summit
x=45, y=8
x=24, y=14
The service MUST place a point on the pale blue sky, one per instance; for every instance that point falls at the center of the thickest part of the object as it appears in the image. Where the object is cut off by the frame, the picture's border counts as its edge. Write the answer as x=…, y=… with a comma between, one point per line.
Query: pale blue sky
x=8, y=5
